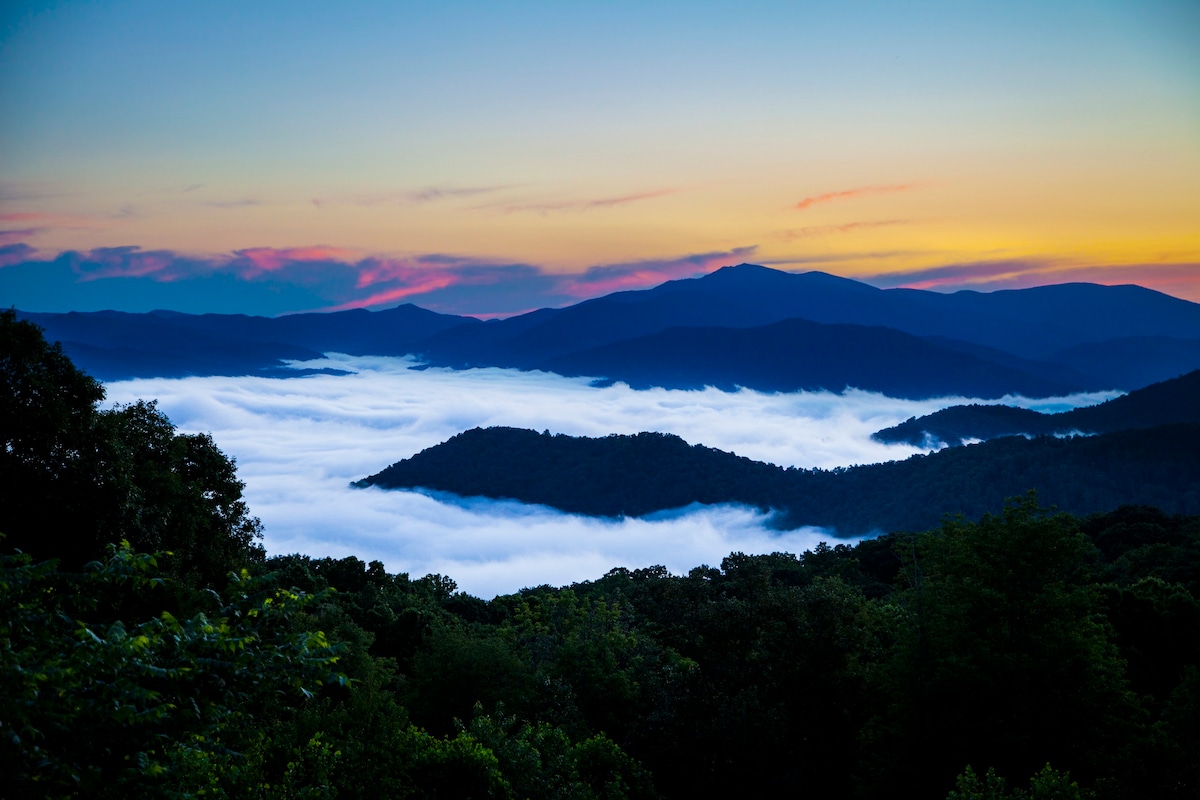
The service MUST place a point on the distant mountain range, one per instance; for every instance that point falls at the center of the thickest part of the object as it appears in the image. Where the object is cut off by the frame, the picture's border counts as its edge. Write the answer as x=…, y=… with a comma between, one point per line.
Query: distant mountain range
x=1173, y=401
x=114, y=345
x=739, y=326
x=650, y=472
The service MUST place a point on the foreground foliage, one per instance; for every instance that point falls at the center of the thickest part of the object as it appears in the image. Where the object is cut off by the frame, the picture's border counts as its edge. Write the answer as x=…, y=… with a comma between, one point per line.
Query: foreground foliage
x=100, y=707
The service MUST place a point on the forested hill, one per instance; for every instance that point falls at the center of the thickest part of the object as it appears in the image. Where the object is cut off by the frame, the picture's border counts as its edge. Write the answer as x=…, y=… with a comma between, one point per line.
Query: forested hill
x=1172, y=401
x=649, y=472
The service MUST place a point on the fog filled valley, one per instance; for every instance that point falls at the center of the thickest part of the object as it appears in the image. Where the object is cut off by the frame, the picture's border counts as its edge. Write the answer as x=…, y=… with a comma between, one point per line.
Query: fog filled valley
x=300, y=442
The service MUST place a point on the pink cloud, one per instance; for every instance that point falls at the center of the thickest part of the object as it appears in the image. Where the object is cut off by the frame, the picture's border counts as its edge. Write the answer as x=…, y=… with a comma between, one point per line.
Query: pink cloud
x=375, y=270
x=847, y=194
x=270, y=259
x=128, y=262
x=381, y=270
x=427, y=283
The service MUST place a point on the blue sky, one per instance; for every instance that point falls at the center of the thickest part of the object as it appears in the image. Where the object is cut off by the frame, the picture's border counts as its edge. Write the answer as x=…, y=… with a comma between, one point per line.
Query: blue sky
x=873, y=140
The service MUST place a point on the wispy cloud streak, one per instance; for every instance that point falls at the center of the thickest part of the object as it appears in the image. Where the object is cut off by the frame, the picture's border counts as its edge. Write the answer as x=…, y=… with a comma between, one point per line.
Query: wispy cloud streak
x=848, y=194
x=17, y=235
x=848, y=227
x=432, y=193
x=429, y=194
x=578, y=206
x=233, y=203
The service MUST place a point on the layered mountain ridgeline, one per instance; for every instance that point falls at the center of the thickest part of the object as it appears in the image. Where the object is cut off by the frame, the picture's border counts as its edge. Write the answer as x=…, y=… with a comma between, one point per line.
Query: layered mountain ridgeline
x=1173, y=401
x=1031, y=330
x=650, y=472
x=113, y=345
x=1063, y=338
x=1028, y=323
x=796, y=354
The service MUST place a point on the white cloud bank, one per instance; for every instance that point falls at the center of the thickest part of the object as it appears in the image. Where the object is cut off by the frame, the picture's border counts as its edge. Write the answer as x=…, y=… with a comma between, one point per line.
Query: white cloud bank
x=299, y=442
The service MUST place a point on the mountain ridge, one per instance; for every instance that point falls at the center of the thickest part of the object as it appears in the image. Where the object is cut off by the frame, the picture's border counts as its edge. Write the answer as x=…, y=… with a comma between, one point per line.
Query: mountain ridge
x=1084, y=336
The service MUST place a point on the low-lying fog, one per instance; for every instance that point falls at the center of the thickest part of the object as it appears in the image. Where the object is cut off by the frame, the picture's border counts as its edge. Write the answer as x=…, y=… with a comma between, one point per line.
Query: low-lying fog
x=299, y=442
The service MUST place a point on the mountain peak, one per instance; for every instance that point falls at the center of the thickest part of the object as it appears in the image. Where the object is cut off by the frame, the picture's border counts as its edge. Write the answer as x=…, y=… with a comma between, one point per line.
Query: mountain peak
x=756, y=275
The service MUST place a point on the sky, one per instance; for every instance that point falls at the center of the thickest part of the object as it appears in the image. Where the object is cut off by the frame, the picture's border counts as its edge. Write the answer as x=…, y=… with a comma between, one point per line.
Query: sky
x=299, y=442
x=492, y=158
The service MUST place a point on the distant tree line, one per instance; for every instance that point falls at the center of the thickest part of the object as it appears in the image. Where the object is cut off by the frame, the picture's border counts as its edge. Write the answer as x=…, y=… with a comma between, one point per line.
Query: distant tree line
x=1028, y=654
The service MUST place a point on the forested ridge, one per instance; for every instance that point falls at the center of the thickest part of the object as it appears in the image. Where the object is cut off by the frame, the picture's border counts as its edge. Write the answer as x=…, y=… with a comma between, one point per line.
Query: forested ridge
x=1026, y=654
x=1171, y=401
x=635, y=475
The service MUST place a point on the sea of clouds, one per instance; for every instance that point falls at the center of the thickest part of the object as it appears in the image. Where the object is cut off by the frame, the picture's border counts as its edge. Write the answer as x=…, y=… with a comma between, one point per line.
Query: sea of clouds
x=299, y=442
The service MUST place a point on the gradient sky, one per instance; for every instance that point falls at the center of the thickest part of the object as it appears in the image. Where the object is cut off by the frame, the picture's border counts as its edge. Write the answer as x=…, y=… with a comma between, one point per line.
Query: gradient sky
x=491, y=158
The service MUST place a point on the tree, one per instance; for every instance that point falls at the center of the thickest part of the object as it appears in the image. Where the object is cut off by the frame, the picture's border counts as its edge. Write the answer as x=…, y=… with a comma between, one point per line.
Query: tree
x=1005, y=656
x=48, y=434
x=98, y=476
x=1047, y=784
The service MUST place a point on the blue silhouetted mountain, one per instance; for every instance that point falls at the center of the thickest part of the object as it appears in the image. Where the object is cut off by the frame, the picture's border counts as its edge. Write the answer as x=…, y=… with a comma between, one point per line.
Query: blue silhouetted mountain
x=652, y=472
x=1031, y=323
x=1070, y=335
x=113, y=345
x=531, y=340
x=797, y=354
x=1132, y=361
x=1168, y=402
x=1024, y=329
